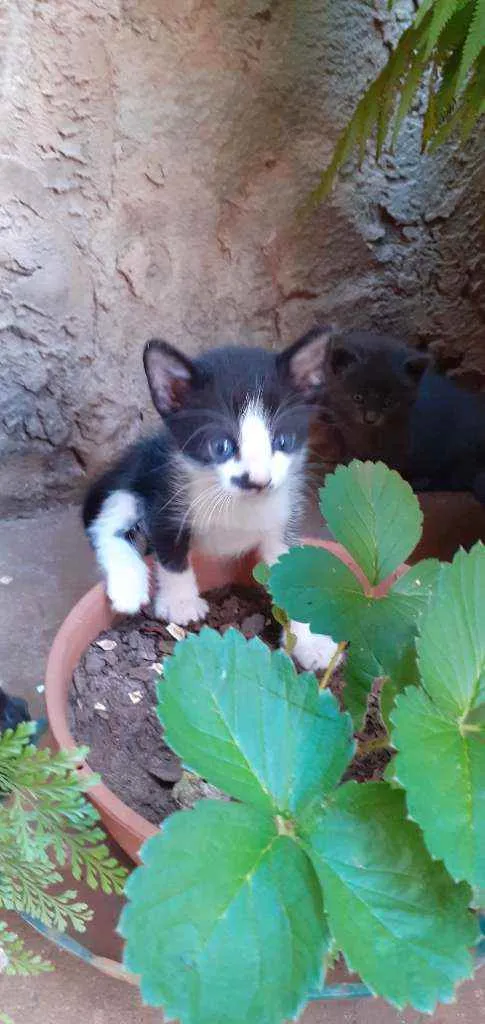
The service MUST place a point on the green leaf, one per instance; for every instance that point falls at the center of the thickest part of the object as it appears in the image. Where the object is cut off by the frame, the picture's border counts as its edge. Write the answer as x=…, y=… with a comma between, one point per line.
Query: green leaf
x=261, y=573
x=399, y=919
x=316, y=587
x=442, y=13
x=408, y=92
x=475, y=42
x=241, y=717
x=373, y=512
x=440, y=733
x=225, y=919
x=451, y=648
x=442, y=768
x=19, y=960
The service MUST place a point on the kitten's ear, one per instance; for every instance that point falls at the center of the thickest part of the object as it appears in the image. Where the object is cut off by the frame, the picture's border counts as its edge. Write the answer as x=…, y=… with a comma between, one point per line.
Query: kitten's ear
x=416, y=365
x=303, y=361
x=340, y=358
x=170, y=375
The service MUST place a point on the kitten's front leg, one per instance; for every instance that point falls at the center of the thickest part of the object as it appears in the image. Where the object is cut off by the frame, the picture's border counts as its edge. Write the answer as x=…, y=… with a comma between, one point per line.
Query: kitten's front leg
x=177, y=596
x=313, y=651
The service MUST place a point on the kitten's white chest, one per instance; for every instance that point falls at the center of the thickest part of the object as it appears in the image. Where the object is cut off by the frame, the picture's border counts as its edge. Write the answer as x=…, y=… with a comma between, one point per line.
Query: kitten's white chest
x=235, y=525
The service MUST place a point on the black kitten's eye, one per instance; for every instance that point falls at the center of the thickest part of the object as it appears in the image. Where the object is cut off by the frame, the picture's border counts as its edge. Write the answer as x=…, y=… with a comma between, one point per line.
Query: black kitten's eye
x=284, y=442
x=387, y=403
x=221, y=448
x=358, y=398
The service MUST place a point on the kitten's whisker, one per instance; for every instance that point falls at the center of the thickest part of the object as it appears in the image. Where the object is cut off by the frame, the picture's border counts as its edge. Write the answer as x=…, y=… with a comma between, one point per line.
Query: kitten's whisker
x=196, y=505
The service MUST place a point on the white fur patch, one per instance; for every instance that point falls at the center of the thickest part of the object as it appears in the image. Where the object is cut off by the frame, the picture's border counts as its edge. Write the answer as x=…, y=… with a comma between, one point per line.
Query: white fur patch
x=255, y=447
x=127, y=581
x=256, y=457
x=313, y=651
x=228, y=523
x=178, y=598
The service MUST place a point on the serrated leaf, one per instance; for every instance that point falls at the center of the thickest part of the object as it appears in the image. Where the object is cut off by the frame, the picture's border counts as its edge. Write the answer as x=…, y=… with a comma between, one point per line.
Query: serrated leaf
x=474, y=44
x=408, y=92
x=316, y=587
x=424, y=9
x=442, y=13
x=225, y=919
x=373, y=512
x=442, y=768
x=399, y=919
x=451, y=648
x=241, y=717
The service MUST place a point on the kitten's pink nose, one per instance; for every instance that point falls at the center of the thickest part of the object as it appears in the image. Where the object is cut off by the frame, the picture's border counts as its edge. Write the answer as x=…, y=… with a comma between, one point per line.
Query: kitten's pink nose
x=251, y=483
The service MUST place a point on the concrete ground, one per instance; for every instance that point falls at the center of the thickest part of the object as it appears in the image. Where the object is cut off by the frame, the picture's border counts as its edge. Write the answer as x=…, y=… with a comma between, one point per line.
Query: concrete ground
x=45, y=566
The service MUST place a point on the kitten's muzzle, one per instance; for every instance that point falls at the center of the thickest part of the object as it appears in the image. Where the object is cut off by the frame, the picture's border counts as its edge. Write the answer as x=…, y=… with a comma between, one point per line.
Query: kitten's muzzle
x=246, y=483
x=370, y=416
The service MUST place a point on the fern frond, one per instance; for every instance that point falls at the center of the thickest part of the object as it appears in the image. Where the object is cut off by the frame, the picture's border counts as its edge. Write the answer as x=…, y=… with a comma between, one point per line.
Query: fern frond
x=409, y=89
x=442, y=12
x=474, y=44
x=46, y=821
x=27, y=888
x=445, y=42
x=16, y=959
x=467, y=112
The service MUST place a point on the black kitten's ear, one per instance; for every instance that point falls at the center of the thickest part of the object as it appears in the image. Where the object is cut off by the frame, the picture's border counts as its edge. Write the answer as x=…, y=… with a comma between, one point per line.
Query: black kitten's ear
x=304, y=360
x=170, y=375
x=416, y=365
x=340, y=357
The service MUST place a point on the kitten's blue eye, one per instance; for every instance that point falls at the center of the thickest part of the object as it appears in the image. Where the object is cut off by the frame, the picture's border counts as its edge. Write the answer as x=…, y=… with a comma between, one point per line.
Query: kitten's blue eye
x=358, y=398
x=284, y=442
x=221, y=448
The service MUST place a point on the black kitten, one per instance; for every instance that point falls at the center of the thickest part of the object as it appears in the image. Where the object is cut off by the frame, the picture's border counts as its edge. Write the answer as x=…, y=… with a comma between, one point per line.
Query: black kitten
x=371, y=384
x=225, y=474
x=387, y=402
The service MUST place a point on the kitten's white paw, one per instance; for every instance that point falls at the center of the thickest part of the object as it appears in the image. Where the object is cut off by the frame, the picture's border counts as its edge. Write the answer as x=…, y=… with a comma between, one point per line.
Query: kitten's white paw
x=127, y=588
x=313, y=651
x=179, y=609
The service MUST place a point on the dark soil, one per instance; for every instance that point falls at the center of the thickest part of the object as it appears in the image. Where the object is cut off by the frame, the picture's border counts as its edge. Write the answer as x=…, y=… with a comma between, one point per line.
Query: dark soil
x=113, y=699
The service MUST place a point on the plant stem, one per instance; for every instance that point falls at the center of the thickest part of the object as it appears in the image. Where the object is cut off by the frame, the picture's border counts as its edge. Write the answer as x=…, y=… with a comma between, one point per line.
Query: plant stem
x=334, y=661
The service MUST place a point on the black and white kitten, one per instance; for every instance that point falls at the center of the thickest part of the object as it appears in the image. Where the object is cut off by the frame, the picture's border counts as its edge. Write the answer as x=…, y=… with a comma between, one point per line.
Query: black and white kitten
x=225, y=475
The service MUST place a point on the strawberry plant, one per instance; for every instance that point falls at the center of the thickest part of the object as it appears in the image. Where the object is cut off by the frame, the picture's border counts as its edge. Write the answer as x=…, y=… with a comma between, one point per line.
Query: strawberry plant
x=239, y=907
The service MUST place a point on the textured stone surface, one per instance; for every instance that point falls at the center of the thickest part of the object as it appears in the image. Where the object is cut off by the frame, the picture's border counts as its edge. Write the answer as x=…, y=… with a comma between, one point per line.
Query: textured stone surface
x=153, y=161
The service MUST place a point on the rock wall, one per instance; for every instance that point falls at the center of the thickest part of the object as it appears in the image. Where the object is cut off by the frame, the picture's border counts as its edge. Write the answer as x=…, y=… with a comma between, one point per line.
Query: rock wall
x=154, y=156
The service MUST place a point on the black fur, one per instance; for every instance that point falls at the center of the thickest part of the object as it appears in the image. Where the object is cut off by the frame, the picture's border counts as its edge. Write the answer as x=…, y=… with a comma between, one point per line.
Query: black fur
x=387, y=402
x=199, y=402
x=13, y=711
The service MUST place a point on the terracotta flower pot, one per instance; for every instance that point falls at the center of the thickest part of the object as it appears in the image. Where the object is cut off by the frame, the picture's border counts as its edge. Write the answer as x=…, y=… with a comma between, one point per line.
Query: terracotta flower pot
x=90, y=616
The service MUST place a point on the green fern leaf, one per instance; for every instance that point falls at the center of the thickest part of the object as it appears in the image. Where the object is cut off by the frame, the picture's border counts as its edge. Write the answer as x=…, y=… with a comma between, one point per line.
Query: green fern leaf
x=442, y=12
x=475, y=43
x=467, y=111
x=424, y=9
x=16, y=959
x=449, y=37
x=408, y=92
